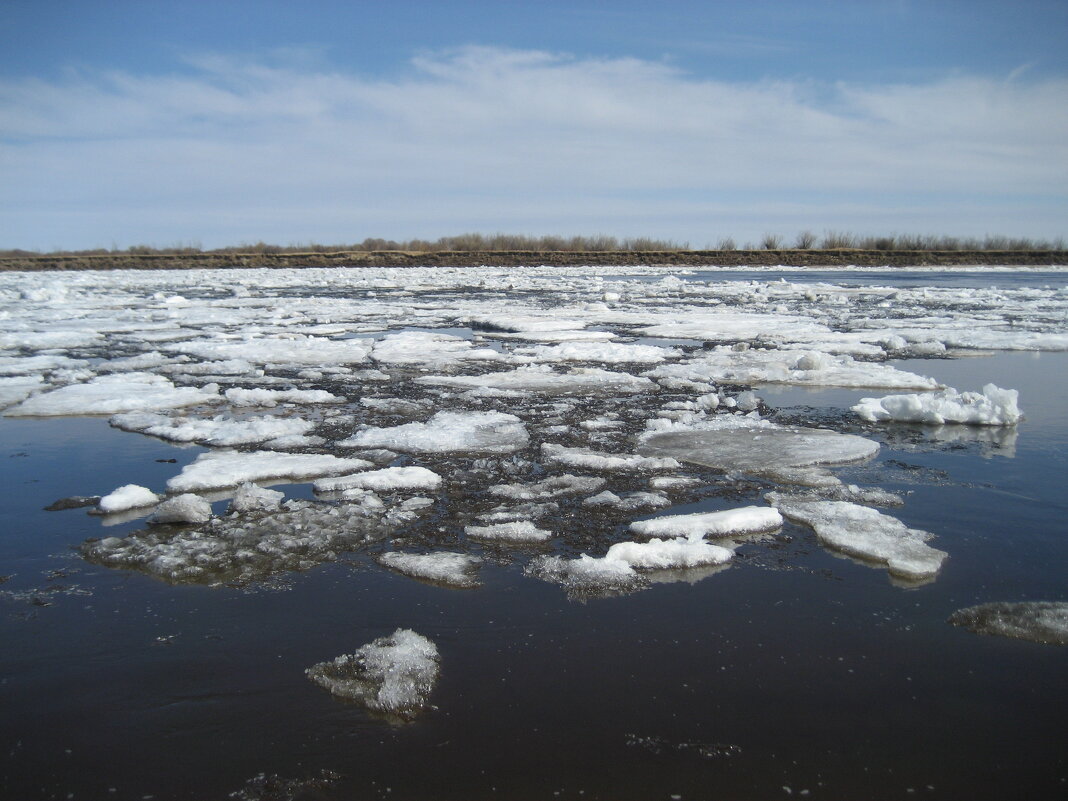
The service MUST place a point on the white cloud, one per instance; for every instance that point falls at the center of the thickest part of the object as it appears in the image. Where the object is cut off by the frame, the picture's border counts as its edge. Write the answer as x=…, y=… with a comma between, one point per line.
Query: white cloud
x=489, y=139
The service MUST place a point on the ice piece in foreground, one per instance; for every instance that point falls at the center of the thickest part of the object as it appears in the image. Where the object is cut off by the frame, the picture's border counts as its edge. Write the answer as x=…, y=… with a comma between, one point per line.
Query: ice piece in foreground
x=111, y=394
x=130, y=496
x=221, y=469
x=749, y=445
x=187, y=508
x=474, y=432
x=993, y=406
x=393, y=674
x=868, y=534
x=746, y=520
x=1040, y=621
x=454, y=569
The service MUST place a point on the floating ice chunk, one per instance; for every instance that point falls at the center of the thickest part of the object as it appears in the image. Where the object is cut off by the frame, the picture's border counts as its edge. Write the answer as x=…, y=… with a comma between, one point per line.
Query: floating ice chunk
x=868, y=534
x=16, y=389
x=673, y=482
x=1039, y=621
x=542, y=378
x=630, y=502
x=220, y=431
x=477, y=432
x=993, y=407
x=288, y=351
x=605, y=352
x=745, y=520
x=25, y=365
x=221, y=469
x=586, y=574
x=453, y=569
x=394, y=406
x=593, y=460
x=751, y=445
x=112, y=394
x=252, y=498
x=268, y=398
x=187, y=508
x=732, y=325
x=130, y=496
x=238, y=550
x=389, y=479
x=657, y=554
x=553, y=487
x=518, y=531
x=812, y=368
x=238, y=367
x=428, y=348
x=394, y=674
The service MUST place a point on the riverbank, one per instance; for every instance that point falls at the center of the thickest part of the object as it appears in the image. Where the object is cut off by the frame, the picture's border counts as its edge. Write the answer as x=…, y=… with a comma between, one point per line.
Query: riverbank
x=516, y=258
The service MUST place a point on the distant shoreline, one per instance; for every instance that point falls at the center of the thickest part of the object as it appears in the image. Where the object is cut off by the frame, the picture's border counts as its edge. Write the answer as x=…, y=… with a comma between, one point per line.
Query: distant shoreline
x=687, y=258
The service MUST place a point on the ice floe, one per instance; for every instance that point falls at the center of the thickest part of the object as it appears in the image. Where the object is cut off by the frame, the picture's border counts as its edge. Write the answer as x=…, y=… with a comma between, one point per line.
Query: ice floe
x=129, y=496
x=518, y=531
x=746, y=520
x=605, y=352
x=187, y=508
x=111, y=394
x=219, y=431
x=472, y=432
x=388, y=479
x=268, y=398
x=443, y=567
x=394, y=674
x=542, y=378
x=991, y=407
x=592, y=460
x=223, y=469
x=868, y=534
x=1038, y=621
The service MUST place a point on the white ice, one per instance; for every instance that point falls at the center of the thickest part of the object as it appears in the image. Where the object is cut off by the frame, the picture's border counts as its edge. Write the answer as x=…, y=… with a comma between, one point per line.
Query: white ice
x=252, y=498
x=129, y=496
x=604, y=352
x=744, y=520
x=868, y=534
x=517, y=531
x=445, y=567
x=394, y=674
x=473, y=432
x=593, y=460
x=430, y=349
x=223, y=469
x=542, y=378
x=219, y=431
x=388, y=479
x=286, y=351
x=112, y=394
x=991, y=407
x=269, y=398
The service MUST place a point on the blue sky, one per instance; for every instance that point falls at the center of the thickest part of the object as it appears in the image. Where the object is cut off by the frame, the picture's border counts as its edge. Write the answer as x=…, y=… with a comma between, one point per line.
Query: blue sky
x=225, y=122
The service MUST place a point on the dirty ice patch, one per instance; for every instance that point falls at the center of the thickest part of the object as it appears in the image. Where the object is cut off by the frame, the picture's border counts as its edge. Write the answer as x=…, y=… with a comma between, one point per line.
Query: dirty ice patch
x=443, y=567
x=240, y=550
x=542, y=378
x=186, y=508
x=869, y=535
x=288, y=351
x=269, y=398
x=388, y=479
x=745, y=520
x=552, y=487
x=1038, y=621
x=223, y=469
x=750, y=445
x=427, y=348
x=474, y=432
x=604, y=352
x=587, y=459
x=803, y=368
x=218, y=431
x=113, y=394
x=394, y=674
x=991, y=407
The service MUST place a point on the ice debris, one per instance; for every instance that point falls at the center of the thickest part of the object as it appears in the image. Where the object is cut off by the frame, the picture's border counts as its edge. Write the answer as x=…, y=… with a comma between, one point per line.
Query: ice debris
x=1039, y=621
x=868, y=534
x=252, y=498
x=991, y=407
x=394, y=674
x=745, y=520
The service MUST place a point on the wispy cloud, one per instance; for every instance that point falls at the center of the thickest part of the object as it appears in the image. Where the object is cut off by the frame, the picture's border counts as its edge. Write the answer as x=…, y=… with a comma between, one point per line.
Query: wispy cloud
x=505, y=139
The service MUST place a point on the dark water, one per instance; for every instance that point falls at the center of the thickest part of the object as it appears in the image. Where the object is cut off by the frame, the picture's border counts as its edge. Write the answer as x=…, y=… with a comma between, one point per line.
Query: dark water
x=794, y=670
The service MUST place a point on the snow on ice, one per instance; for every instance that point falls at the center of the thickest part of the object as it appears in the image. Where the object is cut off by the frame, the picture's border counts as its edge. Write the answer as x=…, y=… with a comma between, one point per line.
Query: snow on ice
x=991, y=407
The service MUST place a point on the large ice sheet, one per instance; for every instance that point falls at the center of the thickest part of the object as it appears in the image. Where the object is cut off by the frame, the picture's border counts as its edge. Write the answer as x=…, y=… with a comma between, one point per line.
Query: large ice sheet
x=219, y=431
x=594, y=460
x=750, y=445
x=473, y=432
x=991, y=407
x=868, y=534
x=542, y=378
x=1039, y=621
x=223, y=469
x=604, y=352
x=289, y=350
x=801, y=367
x=112, y=394
x=394, y=674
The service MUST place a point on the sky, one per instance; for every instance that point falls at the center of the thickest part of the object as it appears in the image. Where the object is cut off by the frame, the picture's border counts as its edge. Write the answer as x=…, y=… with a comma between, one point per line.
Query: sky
x=220, y=123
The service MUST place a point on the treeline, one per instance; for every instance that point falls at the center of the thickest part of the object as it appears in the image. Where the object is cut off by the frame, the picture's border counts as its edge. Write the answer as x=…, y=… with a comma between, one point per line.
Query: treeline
x=482, y=243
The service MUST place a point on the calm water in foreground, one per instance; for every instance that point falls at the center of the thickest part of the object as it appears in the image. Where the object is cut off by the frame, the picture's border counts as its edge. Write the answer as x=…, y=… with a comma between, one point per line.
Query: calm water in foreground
x=792, y=672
